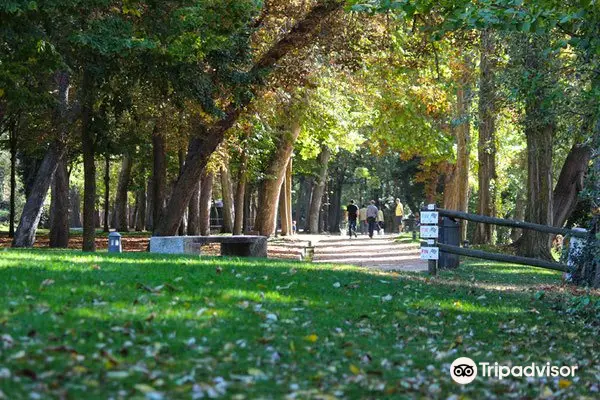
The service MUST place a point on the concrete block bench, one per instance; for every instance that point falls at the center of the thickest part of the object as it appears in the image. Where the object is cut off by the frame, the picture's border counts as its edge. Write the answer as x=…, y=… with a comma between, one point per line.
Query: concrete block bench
x=241, y=246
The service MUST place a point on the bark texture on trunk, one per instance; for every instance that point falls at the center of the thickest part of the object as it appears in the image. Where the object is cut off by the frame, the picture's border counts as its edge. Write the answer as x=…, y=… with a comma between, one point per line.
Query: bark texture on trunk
x=121, y=215
x=13, y=178
x=451, y=187
x=570, y=182
x=59, y=207
x=240, y=192
x=107, y=193
x=89, y=165
x=269, y=188
x=32, y=211
x=207, y=139
x=159, y=175
x=539, y=130
x=486, y=146
x=463, y=141
x=228, y=201
x=75, y=207
x=285, y=194
x=193, y=225
x=149, y=205
x=183, y=225
x=206, y=187
x=140, y=216
x=319, y=188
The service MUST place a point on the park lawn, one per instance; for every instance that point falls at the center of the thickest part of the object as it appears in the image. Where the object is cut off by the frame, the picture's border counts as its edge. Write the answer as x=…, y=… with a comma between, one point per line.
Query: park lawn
x=98, y=326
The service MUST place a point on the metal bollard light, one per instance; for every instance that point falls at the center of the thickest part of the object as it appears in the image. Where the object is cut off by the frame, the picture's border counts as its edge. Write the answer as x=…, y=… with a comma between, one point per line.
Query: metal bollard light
x=114, y=242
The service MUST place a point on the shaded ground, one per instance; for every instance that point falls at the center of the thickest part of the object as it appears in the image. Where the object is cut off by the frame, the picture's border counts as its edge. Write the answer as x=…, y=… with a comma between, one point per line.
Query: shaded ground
x=134, y=241
x=99, y=326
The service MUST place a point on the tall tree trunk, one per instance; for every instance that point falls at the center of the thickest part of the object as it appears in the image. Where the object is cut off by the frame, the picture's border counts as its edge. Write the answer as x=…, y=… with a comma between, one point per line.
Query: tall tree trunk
x=335, y=206
x=59, y=207
x=140, y=217
x=159, y=175
x=228, y=201
x=570, y=182
x=299, y=200
x=184, y=219
x=207, y=140
x=463, y=141
x=193, y=226
x=89, y=166
x=451, y=187
x=149, y=205
x=121, y=215
x=486, y=146
x=539, y=130
x=319, y=188
x=247, y=221
x=13, y=177
x=275, y=174
x=284, y=201
x=75, y=207
x=206, y=187
x=240, y=192
x=107, y=193
x=519, y=215
x=32, y=211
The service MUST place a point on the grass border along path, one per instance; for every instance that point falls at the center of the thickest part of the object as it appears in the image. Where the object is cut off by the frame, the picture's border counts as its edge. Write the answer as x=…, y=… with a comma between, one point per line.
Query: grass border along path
x=145, y=326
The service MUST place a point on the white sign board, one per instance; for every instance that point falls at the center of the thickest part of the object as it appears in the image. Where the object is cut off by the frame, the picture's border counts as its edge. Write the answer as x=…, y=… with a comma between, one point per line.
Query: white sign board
x=429, y=217
x=429, y=231
x=430, y=253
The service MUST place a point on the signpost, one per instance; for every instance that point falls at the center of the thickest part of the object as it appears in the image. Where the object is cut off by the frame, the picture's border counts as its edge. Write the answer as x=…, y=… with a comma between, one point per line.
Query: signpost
x=430, y=230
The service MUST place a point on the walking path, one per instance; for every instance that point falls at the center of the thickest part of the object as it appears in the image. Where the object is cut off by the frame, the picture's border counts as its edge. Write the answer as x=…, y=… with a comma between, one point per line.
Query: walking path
x=381, y=252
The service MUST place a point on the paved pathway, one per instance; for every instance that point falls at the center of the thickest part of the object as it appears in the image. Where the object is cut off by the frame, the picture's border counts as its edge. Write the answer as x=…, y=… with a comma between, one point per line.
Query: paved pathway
x=381, y=252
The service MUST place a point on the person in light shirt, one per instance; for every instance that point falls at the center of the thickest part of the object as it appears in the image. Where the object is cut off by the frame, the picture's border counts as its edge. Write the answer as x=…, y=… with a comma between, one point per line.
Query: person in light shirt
x=398, y=215
x=362, y=217
x=380, y=222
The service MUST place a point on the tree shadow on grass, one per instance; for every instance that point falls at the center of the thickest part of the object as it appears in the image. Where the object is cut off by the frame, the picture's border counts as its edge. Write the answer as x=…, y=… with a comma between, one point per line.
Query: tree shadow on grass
x=154, y=317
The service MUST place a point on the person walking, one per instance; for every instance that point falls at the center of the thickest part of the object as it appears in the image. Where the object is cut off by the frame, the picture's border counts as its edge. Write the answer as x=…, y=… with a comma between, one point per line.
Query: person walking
x=380, y=222
x=362, y=218
x=398, y=215
x=352, y=211
x=372, y=211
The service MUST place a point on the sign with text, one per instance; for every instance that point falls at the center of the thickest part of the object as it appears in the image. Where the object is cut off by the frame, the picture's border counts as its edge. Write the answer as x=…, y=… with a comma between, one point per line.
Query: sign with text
x=430, y=253
x=429, y=231
x=429, y=217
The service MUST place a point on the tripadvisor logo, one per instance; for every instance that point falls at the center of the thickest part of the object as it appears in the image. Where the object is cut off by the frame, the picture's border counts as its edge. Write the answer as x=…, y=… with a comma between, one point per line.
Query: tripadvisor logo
x=464, y=370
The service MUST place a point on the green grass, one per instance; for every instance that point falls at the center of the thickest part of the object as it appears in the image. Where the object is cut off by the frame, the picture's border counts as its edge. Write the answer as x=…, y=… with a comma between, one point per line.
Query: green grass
x=96, y=326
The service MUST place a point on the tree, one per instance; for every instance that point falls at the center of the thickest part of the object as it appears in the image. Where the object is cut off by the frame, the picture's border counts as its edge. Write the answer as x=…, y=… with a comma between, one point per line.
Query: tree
x=207, y=138
x=486, y=146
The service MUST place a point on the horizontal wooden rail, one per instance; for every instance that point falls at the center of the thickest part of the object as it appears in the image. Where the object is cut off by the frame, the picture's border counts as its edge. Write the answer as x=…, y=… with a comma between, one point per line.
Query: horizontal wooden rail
x=511, y=222
x=534, y=262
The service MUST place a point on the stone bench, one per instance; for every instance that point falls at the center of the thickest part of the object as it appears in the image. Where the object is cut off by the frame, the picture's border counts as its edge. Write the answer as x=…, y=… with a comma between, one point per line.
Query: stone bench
x=241, y=246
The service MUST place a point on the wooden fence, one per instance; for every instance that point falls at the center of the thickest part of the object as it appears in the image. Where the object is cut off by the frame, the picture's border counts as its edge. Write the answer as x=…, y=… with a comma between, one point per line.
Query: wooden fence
x=486, y=255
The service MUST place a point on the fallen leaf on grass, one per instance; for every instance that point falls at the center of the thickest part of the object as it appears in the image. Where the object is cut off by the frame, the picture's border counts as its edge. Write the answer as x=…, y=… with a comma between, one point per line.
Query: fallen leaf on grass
x=117, y=374
x=354, y=369
x=46, y=282
x=311, y=338
x=564, y=383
